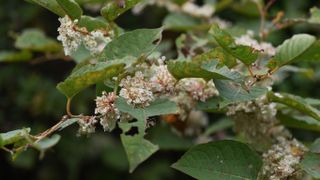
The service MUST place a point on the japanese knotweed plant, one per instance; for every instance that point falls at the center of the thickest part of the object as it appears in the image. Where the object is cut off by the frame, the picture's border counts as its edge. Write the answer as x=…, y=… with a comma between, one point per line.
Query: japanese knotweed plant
x=219, y=71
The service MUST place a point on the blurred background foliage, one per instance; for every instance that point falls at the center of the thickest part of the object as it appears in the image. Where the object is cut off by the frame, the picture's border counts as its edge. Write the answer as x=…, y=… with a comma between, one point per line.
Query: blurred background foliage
x=28, y=97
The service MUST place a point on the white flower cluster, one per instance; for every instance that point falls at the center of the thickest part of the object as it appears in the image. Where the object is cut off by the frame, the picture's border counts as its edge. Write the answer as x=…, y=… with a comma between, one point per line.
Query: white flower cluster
x=199, y=11
x=136, y=90
x=162, y=81
x=87, y=125
x=168, y=4
x=266, y=110
x=95, y=41
x=152, y=80
x=256, y=120
x=188, y=92
x=73, y=36
x=198, y=88
x=189, y=7
x=223, y=24
x=248, y=40
x=105, y=107
x=282, y=159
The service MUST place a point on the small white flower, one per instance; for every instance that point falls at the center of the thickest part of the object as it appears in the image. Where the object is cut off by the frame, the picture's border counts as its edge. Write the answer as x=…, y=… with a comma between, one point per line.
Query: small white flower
x=257, y=121
x=136, y=90
x=161, y=80
x=72, y=37
x=105, y=107
x=282, y=159
x=198, y=88
x=87, y=125
x=195, y=10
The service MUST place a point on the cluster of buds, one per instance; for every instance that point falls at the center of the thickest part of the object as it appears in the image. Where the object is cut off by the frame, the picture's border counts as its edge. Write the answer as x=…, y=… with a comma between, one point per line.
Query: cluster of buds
x=282, y=160
x=198, y=88
x=87, y=125
x=107, y=111
x=136, y=90
x=256, y=120
x=161, y=80
x=73, y=36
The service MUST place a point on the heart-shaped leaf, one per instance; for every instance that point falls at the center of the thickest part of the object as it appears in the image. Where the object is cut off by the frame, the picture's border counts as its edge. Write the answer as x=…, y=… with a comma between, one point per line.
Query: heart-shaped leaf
x=89, y=75
x=134, y=43
x=221, y=160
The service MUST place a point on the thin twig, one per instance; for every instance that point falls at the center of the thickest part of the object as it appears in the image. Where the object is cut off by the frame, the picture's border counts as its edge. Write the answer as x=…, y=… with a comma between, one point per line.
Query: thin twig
x=50, y=57
x=269, y=4
x=51, y=130
x=262, y=20
x=68, y=107
x=250, y=71
x=8, y=150
x=263, y=11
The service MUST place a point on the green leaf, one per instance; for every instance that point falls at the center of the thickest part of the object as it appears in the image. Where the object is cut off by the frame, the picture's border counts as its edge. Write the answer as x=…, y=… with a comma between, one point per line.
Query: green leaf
x=221, y=160
x=315, y=15
x=71, y=8
x=294, y=102
x=13, y=136
x=134, y=43
x=311, y=164
x=48, y=142
x=313, y=101
x=221, y=72
x=234, y=93
x=12, y=56
x=246, y=7
x=201, y=69
x=210, y=105
x=51, y=5
x=185, y=69
x=292, y=49
x=1, y=142
x=92, y=23
x=89, y=75
x=246, y=54
x=113, y=9
x=219, y=54
x=311, y=54
x=137, y=148
x=156, y=108
x=82, y=55
x=163, y=136
x=300, y=122
x=36, y=40
x=182, y=22
x=315, y=146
